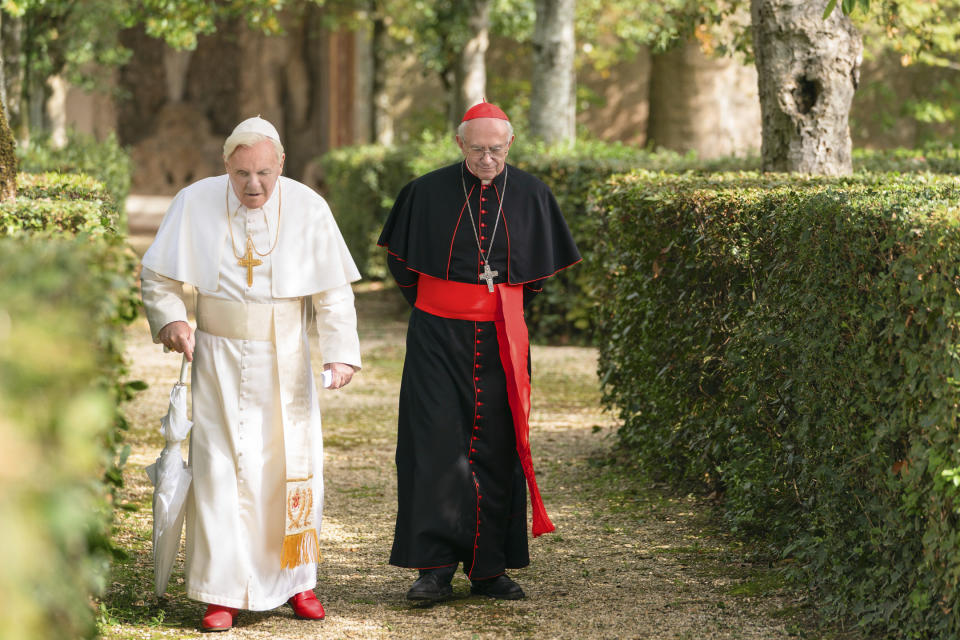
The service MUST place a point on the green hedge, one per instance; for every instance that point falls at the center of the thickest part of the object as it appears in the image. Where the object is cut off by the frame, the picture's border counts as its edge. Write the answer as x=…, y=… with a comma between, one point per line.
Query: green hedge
x=105, y=161
x=66, y=291
x=794, y=345
x=362, y=182
x=933, y=159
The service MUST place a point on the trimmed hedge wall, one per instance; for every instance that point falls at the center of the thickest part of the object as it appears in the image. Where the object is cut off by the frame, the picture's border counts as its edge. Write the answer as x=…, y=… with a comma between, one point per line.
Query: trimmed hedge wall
x=361, y=184
x=794, y=345
x=66, y=291
x=83, y=156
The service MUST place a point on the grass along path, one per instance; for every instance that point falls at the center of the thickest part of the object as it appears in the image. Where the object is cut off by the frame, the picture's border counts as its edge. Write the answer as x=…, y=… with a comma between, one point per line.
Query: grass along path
x=628, y=560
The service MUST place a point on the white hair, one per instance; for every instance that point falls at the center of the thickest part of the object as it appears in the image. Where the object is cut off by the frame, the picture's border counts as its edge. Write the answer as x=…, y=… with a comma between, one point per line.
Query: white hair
x=249, y=139
x=463, y=127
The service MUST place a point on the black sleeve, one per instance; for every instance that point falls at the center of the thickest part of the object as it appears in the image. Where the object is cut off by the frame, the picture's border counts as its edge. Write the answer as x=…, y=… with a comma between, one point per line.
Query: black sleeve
x=531, y=289
x=406, y=279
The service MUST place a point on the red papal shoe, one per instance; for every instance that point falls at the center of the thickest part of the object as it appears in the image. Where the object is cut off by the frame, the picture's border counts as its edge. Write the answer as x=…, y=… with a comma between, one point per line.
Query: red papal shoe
x=218, y=618
x=306, y=606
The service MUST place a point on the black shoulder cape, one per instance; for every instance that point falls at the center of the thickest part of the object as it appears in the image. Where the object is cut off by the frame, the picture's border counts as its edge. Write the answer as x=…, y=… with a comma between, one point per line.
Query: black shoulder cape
x=430, y=212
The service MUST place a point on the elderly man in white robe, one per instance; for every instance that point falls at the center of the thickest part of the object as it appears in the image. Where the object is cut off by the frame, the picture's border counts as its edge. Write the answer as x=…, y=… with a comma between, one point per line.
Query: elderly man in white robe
x=261, y=250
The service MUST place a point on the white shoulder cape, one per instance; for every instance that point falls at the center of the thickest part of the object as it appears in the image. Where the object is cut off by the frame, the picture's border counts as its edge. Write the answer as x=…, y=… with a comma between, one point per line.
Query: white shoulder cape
x=310, y=256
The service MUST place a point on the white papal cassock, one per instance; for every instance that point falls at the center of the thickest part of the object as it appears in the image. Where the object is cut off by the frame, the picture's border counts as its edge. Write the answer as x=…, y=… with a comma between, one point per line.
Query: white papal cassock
x=235, y=511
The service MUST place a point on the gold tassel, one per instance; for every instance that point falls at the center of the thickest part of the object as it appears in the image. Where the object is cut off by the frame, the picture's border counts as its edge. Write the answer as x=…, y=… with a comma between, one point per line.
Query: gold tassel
x=299, y=549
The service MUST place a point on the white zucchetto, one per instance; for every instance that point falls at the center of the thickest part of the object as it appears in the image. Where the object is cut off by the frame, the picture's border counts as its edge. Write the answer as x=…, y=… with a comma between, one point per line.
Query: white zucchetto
x=257, y=124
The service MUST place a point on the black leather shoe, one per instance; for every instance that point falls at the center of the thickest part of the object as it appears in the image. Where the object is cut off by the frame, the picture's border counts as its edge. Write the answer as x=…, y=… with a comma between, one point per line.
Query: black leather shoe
x=431, y=586
x=501, y=587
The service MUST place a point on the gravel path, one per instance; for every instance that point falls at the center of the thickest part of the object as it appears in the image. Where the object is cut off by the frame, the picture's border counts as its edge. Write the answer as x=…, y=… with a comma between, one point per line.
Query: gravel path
x=628, y=560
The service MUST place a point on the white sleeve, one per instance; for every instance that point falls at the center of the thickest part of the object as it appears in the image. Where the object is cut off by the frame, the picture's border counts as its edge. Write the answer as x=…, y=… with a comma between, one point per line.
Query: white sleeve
x=162, y=300
x=337, y=326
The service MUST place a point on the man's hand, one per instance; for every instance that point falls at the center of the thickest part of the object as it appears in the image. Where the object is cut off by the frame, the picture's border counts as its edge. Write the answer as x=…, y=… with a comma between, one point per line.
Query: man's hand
x=178, y=336
x=340, y=374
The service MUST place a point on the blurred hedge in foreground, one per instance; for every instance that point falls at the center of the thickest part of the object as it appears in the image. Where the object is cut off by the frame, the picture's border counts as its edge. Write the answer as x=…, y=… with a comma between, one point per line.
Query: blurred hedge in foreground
x=794, y=345
x=362, y=183
x=66, y=291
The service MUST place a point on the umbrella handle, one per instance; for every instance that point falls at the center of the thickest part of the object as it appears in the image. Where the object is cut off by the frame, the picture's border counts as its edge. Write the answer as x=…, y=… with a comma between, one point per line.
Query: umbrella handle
x=184, y=366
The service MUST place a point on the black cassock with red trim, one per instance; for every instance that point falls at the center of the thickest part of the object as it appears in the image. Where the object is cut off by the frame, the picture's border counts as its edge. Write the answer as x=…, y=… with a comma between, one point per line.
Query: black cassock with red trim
x=461, y=494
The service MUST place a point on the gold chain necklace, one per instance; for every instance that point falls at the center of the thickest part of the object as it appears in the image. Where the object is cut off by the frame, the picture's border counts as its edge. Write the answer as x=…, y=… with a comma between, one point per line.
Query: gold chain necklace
x=247, y=260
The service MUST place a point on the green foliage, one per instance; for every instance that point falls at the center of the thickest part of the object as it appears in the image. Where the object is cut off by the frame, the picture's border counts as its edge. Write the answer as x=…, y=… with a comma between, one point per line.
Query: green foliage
x=106, y=161
x=63, y=36
x=63, y=203
x=66, y=291
x=792, y=345
x=362, y=182
x=941, y=159
x=62, y=303
x=613, y=31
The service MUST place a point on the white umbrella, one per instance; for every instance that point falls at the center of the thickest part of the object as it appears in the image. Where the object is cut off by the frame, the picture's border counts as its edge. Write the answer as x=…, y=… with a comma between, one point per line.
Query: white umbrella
x=171, y=480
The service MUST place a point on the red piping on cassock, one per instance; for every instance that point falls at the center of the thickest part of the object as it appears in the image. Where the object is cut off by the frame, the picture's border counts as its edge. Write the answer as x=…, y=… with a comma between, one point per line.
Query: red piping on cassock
x=504, y=307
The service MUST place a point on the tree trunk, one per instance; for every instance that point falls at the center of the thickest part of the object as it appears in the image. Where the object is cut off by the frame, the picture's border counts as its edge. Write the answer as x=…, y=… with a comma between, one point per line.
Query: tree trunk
x=13, y=71
x=381, y=123
x=56, y=110
x=473, y=64
x=808, y=69
x=703, y=103
x=553, y=91
x=8, y=161
x=3, y=75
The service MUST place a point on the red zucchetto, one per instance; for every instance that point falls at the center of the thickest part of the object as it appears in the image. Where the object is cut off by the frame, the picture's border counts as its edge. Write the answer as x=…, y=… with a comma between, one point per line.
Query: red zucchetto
x=485, y=110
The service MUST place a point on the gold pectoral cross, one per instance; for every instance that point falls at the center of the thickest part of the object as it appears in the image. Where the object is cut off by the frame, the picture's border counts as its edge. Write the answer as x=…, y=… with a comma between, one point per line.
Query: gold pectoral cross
x=249, y=262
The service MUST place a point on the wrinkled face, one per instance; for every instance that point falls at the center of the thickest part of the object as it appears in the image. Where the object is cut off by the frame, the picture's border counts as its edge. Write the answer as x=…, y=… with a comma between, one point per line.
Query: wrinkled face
x=254, y=172
x=484, y=145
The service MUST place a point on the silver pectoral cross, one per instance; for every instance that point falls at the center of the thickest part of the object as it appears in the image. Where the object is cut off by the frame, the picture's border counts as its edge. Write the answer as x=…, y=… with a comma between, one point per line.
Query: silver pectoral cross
x=489, y=275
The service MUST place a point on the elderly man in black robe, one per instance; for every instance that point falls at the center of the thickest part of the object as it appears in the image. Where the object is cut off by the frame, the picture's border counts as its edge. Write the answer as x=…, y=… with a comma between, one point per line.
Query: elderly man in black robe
x=469, y=245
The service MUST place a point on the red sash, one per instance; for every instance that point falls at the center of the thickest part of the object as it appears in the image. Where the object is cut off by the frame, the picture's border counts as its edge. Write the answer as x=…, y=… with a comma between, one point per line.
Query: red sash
x=504, y=307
